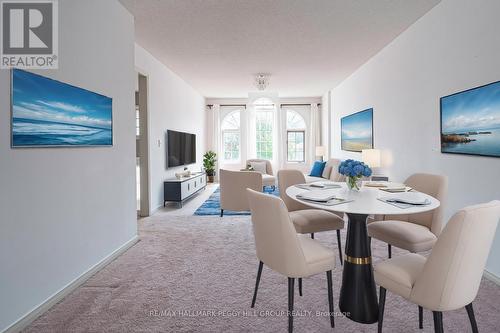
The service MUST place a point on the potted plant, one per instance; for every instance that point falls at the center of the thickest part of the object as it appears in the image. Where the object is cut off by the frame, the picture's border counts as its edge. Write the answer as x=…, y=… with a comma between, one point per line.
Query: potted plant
x=209, y=160
x=354, y=171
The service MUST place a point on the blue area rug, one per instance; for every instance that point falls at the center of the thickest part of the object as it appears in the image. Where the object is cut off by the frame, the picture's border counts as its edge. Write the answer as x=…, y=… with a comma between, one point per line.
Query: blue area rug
x=212, y=205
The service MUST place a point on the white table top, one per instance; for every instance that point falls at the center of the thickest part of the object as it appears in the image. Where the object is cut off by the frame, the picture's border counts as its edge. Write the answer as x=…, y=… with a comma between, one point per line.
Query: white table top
x=365, y=201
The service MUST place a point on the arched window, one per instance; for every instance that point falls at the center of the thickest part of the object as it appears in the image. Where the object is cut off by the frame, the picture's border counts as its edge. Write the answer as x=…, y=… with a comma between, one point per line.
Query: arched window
x=230, y=128
x=264, y=121
x=295, y=136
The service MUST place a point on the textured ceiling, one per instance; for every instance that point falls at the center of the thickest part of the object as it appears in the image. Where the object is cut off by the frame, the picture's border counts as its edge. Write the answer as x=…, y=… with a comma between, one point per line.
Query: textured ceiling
x=308, y=47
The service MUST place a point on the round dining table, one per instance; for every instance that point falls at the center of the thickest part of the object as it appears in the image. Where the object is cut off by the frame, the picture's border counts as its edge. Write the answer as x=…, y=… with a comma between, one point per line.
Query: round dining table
x=358, y=294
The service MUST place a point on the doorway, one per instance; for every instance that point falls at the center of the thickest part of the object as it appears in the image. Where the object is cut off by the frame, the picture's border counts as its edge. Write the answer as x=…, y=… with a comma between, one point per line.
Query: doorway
x=142, y=146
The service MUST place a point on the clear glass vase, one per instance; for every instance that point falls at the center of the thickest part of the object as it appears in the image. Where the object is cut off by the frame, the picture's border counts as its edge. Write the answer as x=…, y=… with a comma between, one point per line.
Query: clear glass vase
x=353, y=183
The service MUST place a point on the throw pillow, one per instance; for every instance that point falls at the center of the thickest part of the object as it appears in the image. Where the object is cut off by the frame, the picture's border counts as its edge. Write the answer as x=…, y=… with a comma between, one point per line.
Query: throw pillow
x=317, y=169
x=259, y=166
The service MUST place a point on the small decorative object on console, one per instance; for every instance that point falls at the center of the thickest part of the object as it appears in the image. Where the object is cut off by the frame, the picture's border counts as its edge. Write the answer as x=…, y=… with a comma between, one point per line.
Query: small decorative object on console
x=354, y=170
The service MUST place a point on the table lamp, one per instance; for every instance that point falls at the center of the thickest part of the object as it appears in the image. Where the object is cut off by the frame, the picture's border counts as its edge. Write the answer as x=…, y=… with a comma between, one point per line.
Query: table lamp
x=371, y=157
x=320, y=152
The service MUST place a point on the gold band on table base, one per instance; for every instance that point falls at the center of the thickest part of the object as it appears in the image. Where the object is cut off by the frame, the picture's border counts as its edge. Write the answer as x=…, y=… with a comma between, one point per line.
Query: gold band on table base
x=358, y=261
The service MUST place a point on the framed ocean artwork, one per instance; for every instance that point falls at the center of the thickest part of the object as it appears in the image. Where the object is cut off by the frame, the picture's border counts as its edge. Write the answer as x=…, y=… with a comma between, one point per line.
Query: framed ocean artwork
x=470, y=121
x=357, y=131
x=49, y=113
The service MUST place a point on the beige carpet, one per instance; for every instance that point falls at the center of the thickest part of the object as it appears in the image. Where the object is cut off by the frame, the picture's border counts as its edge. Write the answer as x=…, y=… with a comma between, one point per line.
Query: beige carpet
x=196, y=274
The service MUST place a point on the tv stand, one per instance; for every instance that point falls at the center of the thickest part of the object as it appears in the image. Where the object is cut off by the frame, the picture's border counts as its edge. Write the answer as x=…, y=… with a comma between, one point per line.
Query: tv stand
x=181, y=189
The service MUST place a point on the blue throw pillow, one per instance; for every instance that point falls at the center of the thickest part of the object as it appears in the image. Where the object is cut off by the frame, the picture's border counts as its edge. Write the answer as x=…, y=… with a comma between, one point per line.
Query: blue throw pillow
x=317, y=170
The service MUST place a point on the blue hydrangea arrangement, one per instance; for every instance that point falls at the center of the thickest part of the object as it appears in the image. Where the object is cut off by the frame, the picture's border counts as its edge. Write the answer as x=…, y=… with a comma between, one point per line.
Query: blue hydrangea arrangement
x=354, y=170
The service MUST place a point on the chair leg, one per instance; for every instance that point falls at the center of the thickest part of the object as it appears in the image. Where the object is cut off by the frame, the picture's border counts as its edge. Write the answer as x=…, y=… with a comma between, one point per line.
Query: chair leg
x=438, y=321
x=389, y=249
x=339, y=244
x=312, y=235
x=259, y=272
x=472, y=318
x=330, y=297
x=381, y=306
x=300, y=286
x=290, y=304
x=420, y=317
x=221, y=212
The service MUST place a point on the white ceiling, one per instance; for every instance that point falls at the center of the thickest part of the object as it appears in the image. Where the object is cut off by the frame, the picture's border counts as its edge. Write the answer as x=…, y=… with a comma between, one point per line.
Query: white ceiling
x=308, y=46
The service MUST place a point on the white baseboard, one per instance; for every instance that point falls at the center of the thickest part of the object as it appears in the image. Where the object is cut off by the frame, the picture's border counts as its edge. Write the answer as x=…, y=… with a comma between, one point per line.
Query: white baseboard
x=29, y=317
x=492, y=277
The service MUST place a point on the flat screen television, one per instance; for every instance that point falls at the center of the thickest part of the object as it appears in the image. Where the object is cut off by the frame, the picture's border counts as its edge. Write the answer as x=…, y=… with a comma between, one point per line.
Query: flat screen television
x=181, y=148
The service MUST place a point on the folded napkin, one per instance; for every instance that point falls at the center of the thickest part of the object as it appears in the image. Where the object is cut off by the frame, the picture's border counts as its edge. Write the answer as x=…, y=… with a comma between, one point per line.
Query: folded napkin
x=407, y=198
x=318, y=185
x=325, y=185
x=396, y=189
x=317, y=196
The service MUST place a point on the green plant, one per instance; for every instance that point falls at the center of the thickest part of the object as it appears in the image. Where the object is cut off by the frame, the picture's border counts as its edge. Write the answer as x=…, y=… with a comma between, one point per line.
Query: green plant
x=209, y=160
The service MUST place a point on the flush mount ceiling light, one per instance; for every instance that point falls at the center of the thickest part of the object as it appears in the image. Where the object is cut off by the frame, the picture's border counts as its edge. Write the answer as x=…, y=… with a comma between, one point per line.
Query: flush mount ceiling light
x=262, y=81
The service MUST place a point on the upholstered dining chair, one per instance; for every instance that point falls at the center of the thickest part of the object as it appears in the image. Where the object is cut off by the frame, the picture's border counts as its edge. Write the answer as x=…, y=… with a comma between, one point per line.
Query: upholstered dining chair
x=450, y=277
x=233, y=185
x=268, y=178
x=305, y=219
x=280, y=248
x=415, y=232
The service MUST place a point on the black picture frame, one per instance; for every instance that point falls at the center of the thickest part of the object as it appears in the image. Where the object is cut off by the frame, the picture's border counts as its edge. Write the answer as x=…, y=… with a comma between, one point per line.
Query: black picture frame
x=345, y=118
x=441, y=134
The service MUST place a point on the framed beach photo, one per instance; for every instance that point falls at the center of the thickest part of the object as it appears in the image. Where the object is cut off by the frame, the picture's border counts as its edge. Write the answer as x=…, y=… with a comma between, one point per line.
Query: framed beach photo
x=357, y=131
x=470, y=121
x=49, y=113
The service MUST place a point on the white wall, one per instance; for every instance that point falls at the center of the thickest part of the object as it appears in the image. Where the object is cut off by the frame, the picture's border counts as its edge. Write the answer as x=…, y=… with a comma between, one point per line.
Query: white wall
x=174, y=105
x=456, y=46
x=63, y=210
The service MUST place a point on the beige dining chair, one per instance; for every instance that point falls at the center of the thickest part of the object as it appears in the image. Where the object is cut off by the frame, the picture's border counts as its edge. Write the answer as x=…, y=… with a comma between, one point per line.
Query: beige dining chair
x=268, y=178
x=305, y=219
x=450, y=277
x=233, y=185
x=414, y=232
x=280, y=248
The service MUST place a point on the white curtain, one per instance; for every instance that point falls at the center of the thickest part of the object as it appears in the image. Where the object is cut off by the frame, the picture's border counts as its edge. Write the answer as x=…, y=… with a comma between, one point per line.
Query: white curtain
x=216, y=137
x=314, y=132
x=251, y=150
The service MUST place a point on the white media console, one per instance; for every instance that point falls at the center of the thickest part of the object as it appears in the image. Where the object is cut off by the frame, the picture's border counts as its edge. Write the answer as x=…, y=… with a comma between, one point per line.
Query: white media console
x=180, y=189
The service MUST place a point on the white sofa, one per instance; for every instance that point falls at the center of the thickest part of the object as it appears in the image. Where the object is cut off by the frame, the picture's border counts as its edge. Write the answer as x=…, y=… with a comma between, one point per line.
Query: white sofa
x=331, y=172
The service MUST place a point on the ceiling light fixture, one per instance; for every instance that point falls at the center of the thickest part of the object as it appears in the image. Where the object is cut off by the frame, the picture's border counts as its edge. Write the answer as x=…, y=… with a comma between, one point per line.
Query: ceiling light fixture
x=262, y=81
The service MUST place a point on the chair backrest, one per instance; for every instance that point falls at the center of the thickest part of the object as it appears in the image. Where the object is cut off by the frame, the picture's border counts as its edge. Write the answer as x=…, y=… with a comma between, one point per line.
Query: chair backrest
x=269, y=167
x=287, y=178
x=452, y=274
x=276, y=240
x=435, y=186
x=233, y=185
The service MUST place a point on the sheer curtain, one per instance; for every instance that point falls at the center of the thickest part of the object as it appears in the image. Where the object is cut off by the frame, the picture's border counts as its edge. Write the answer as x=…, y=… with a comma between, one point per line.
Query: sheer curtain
x=216, y=136
x=314, y=132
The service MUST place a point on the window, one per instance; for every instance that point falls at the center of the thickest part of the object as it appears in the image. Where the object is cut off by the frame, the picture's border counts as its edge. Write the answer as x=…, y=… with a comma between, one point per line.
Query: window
x=264, y=134
x=137, y=122
x=231, y=136
x=295, y=137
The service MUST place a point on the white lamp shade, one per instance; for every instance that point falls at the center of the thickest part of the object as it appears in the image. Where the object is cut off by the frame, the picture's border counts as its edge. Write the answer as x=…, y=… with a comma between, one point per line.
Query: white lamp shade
x=371, y=157
x=320, y=151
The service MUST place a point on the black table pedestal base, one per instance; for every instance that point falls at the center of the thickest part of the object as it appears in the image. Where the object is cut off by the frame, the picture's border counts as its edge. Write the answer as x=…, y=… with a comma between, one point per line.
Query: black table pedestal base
x=358, y=294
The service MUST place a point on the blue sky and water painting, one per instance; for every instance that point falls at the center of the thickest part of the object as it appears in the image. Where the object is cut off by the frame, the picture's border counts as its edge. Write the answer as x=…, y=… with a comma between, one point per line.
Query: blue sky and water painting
x=47, y=112
x=470, y=121
x=357, y=131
